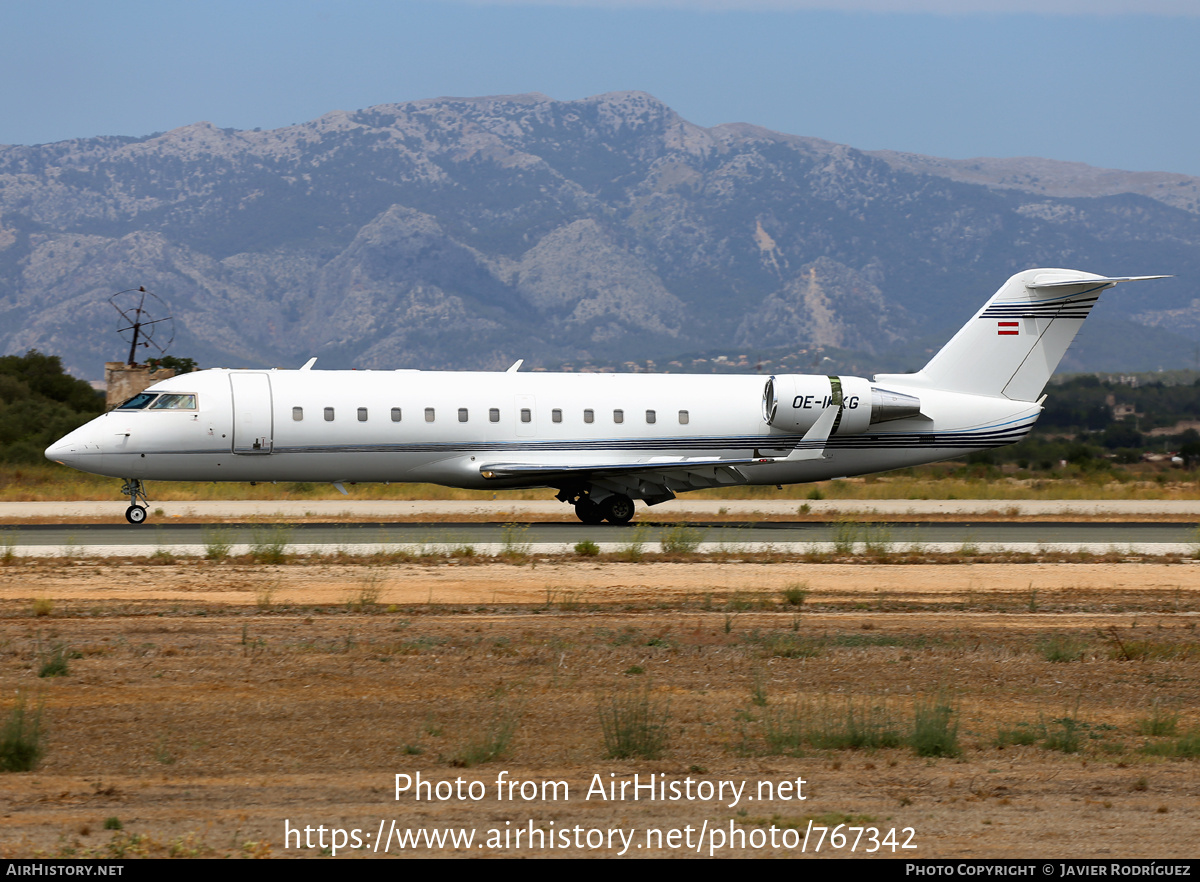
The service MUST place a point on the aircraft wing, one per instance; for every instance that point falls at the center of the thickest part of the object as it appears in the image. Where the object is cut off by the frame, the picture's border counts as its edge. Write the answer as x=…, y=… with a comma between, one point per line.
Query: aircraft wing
x=686, y=472
x=607, y=469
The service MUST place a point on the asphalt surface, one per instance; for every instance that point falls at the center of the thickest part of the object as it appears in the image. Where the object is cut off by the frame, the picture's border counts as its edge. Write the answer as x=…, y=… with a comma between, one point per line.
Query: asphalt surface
x=496, y=536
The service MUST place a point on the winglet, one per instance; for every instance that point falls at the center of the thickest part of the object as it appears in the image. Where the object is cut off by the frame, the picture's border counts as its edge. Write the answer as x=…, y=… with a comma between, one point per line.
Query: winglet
x=818, y=434
x=307, y=366
x=516, y=366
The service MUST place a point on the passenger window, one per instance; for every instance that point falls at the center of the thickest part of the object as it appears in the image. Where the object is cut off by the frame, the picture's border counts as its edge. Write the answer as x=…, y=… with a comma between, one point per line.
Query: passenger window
x=589, y=416
x=683, y=417
x=494, y=415
x=526, y=415
x=297, y=413
x=462, y=414
x=395, y=414
x=429, y=414
x=651, y=416
x=329, y=414
x=362, y=414
x=556, y=415
x=618, y=416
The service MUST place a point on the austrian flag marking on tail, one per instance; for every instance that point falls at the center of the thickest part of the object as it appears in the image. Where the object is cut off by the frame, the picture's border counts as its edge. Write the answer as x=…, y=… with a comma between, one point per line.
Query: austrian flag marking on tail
x=1003, y=328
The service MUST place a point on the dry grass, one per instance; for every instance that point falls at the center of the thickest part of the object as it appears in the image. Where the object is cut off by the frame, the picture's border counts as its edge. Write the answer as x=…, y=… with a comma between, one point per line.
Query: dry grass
x=202, y=718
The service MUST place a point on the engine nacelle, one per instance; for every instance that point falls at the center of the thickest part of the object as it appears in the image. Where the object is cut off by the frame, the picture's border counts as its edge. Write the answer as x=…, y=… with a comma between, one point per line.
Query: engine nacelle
x=793, y=402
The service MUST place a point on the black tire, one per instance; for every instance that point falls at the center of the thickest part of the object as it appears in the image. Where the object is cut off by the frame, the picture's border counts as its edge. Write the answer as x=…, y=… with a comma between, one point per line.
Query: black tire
x=618, y=509
x=588, y=511
x=136, y=514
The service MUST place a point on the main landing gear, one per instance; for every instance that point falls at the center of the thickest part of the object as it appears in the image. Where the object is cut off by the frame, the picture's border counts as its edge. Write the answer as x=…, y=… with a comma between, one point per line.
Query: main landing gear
x=616, y=509
x=135, y=490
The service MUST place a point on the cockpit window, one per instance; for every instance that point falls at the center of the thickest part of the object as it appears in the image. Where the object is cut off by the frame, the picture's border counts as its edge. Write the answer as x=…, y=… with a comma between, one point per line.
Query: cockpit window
x=174, y=401
x=137, y=402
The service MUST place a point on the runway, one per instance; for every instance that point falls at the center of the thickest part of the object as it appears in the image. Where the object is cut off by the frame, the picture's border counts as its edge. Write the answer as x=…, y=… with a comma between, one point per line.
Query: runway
x=650, y=536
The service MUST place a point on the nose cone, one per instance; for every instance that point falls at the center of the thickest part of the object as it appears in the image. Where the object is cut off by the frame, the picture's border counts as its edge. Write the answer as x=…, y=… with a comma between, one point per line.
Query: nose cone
x=69, y=449
x=61, y=451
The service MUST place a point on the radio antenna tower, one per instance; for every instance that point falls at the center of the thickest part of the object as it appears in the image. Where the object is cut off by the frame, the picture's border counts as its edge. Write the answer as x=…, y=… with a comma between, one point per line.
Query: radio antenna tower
x=139, y=327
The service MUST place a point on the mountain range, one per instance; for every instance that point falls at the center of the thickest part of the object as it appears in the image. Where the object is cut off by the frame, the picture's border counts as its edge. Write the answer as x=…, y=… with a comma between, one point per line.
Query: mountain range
x=470, y=232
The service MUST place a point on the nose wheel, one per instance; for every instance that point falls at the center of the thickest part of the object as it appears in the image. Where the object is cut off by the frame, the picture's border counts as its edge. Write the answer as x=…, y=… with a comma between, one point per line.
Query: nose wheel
x=136, y=491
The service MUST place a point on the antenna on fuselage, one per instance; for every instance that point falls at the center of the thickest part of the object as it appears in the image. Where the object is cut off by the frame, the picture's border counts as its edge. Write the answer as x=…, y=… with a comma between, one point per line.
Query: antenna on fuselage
x=140, y=327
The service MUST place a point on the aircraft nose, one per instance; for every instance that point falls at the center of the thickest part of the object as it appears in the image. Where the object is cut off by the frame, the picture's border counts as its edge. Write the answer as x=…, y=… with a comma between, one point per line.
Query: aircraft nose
x=61, y=451
x=68, y=449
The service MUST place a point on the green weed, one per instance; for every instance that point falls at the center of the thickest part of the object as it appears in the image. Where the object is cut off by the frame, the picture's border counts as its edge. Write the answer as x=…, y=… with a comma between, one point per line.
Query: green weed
x=935, y=729
x=1020, y=734
x=1186, y=746
x=491, y=742
x=21, y=738
x=53, y=662
x=845, y=535
x=269, y=543
x=514, y=543
x=1160, y=722
x=795, y=594
x=8, y=546
x=758, y=687
x=635, y=549
x=680, y=539
x=217, y=542
x=877, y=540
x=634, y=726
x=854, y=725
x=1061, y=649
x=587, y=548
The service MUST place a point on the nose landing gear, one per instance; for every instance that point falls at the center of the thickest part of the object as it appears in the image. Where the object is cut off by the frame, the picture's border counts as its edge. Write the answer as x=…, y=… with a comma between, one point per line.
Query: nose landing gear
x=135, y=490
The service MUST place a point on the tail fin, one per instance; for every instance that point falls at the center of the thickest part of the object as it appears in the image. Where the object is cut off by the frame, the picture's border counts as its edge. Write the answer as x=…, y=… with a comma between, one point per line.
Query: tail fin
x=1014, y=343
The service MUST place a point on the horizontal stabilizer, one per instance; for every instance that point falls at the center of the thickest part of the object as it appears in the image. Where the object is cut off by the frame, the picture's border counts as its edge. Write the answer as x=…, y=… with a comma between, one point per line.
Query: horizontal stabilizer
x=1089, y=280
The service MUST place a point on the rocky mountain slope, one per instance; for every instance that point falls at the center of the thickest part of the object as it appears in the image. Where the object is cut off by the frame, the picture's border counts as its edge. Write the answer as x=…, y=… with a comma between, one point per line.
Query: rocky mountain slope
x=466, y=233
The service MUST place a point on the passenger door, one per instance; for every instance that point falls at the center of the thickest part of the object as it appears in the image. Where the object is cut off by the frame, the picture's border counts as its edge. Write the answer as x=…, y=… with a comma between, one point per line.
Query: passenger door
x=253, y=410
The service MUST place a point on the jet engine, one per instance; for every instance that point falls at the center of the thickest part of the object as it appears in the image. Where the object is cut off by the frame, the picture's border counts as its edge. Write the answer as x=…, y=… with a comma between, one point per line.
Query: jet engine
x=793, y=402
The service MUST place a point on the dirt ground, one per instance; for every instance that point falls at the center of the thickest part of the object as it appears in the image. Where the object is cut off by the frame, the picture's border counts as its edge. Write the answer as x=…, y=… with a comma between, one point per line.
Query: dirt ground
x=207, y=709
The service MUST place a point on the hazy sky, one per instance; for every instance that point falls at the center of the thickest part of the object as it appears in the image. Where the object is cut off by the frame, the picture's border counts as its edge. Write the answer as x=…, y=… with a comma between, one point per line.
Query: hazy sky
x=1087, y=80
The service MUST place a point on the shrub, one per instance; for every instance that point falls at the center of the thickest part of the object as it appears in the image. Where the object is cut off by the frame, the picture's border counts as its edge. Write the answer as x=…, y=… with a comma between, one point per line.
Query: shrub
x=587, y=548
x=935, y=731
x=634, y=726
x=1160, y=722
x=217, y=542
x=54, y=662
x=514, y=543
x=492, y=741
x=635, y=549
x=1059, y=648
x=269, y=544
x=681, y=539
x=795, y=594
x=21, y=738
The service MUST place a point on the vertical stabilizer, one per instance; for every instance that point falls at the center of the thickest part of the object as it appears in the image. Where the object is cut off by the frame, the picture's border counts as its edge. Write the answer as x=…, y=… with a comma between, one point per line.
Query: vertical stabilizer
x=1013, y=344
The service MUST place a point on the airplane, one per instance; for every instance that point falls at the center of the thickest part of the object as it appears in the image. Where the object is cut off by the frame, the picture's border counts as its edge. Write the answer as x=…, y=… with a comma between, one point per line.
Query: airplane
x=601, y=440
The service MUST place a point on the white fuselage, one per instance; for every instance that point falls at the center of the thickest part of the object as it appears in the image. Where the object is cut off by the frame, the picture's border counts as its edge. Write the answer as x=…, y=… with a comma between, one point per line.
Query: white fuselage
x=446, y=427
